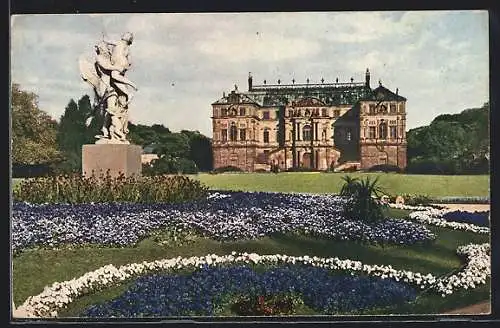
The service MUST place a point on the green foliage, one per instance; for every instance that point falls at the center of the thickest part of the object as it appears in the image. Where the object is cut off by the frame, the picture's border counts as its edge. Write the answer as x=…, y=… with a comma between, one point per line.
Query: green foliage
x=362, y=205
x=169, y=165
x=227, y=169
x=73, y=133
x=451, y=144
x=174, y=236
x=414, y=199
x=385, y=168
x=33, y=130
x=200, y=150
x=75, y=188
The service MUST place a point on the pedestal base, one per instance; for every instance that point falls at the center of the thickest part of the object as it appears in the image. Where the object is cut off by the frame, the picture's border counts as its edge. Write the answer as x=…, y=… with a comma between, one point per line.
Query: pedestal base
x=117, y=158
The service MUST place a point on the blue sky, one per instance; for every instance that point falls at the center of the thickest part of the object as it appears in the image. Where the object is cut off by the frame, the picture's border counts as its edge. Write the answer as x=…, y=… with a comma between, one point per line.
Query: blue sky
x=182, y=63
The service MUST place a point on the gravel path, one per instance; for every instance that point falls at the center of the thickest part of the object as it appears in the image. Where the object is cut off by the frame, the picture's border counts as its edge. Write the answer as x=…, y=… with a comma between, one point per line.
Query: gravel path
x=480, y=308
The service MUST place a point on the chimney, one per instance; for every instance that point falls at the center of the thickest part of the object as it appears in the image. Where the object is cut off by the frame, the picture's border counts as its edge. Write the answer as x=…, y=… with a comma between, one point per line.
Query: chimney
x=249, y=81
x=367, y=78
x=397, y=91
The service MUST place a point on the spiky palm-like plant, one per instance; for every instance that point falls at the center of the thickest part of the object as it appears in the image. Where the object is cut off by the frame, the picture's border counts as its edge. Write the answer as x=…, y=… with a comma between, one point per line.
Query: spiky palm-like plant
x=361, y=204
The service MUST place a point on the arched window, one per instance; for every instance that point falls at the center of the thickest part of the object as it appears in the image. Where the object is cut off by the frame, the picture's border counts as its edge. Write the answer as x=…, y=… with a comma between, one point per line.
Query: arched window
x=233, y=132
x=382, y=130
x=306, y=133
x=266, y=136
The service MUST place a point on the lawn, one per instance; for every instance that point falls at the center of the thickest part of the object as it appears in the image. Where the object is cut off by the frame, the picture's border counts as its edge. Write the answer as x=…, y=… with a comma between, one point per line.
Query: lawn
x=395, y=184
x=316, y=182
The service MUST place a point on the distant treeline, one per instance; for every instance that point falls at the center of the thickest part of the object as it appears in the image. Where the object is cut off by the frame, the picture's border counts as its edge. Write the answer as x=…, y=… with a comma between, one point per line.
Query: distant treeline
x=42, y=146
x=451, y=144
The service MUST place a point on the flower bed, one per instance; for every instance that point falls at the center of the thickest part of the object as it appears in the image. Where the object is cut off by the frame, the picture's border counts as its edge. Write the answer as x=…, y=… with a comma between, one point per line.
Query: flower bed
x=57, y=296
x=479, y=218
x=204, y=292
x=462, y=200
x=440, y=218
x=222, y=216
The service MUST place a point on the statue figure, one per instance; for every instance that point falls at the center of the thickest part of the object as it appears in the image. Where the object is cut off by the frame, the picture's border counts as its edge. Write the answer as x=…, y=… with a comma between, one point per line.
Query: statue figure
x=112, y=89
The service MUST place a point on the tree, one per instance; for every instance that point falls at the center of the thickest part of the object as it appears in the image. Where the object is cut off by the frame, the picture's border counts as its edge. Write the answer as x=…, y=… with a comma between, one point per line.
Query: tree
x=451, y=144
x=73, y=133
x=33, y=130
x=200, y=150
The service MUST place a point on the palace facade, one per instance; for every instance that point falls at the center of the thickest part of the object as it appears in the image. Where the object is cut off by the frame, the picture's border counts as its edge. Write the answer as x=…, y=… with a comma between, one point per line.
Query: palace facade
x=318, y=126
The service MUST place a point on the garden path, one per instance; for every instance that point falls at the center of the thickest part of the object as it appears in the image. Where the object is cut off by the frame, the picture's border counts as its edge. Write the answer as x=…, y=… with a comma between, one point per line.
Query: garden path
x=479, y=308
x=467, y=207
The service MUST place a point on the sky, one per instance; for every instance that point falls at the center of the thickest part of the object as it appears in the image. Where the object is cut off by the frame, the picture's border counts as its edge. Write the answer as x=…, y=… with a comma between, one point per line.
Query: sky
x=182, y=63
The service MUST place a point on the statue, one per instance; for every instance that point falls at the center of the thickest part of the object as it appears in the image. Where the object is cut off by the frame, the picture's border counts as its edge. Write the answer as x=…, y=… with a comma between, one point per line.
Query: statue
x=112, y=91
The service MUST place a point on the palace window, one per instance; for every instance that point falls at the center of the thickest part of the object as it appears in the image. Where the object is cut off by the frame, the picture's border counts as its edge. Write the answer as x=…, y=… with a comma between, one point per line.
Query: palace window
x=233, y=132
x=324, y=112
x=224, y=111
x=266, y=136
x=392, y=109
x=277, y=113
x=348, y=135
x=265, y=115
x=306, y=133
x=290, y=113
x=372, y=109
x=243, y=134
x=336, y=113
x=323, y=135
x=266, y=155
x=383, y=109
x=393, y=132
x=242, y=111
x=371, y=132
x=223, y=134
x=382, y=130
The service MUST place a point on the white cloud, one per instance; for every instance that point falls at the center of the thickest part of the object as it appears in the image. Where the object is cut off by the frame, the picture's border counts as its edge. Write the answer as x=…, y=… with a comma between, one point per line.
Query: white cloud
x=259, y=47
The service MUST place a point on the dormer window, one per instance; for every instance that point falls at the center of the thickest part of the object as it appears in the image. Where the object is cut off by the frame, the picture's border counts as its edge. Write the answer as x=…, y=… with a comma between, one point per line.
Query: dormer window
x=392, y=109
x=372, y=109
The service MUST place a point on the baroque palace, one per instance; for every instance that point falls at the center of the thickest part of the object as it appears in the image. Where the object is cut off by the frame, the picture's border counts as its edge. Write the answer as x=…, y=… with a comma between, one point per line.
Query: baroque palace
x=317, y=126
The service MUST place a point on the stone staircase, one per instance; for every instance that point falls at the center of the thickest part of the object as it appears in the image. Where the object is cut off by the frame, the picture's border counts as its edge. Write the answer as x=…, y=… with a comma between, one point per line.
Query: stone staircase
x=347, y=165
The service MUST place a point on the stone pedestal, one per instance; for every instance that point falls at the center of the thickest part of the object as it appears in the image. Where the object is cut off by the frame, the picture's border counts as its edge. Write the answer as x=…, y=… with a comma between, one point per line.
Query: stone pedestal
x=117, y=158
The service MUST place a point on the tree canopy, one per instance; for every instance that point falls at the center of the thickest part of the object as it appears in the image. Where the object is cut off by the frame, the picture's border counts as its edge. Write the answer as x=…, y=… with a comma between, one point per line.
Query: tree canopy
x=33, y=130
x=452, y=143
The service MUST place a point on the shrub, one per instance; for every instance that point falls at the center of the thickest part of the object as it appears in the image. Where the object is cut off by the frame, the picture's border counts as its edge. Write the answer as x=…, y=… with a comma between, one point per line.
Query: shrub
x=362, y=205
x=385, y=168
x=166, y=165
x=431, y=167
x=76, y=188
x=413, y=199
x=301, y=169
x=462, y=200
x=227, y=169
